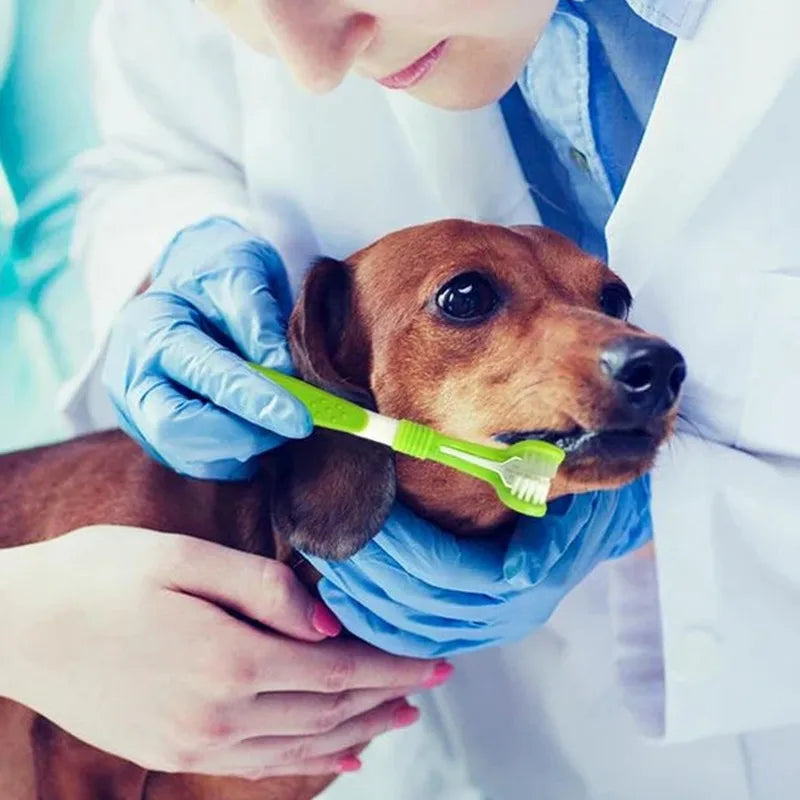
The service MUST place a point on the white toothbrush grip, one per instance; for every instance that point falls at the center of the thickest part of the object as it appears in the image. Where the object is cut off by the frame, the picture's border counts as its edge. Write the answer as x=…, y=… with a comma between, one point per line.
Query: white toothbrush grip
x=379, y=429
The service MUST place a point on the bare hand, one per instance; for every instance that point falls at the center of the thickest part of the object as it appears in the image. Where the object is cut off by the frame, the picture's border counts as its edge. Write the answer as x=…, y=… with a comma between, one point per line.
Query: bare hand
x=125, y=638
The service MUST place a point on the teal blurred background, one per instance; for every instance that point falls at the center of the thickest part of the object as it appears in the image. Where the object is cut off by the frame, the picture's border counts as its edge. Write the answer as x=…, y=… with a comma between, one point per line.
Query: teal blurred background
x=45, y=121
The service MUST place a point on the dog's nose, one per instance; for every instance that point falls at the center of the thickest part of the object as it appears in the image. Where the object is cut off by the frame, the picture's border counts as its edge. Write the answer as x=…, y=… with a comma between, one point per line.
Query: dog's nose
x=648, y=373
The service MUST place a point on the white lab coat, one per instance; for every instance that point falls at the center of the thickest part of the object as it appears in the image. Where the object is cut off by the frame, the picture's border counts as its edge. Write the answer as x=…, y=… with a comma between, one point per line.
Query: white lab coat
x=677, y=687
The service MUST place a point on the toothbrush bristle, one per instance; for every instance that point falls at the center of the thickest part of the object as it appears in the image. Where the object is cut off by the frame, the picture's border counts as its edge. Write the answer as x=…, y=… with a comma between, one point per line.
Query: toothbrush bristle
x=528, y=477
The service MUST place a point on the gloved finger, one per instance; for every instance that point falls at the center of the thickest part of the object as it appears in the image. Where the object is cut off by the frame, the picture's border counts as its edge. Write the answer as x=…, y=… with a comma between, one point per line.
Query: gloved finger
x=372, y=613
x=407, y=604
x=195, y=246
x=619, y=517
x=593, y=525
x=193, y=436
x=246, y=297
x=128, y=427
x=199, y=249
x=402, y=598
x=438, y=558
x=390, y=638
x=538, y=544
x=627, y=518
x=192, y=359
x=442, y=615
x=496, y=566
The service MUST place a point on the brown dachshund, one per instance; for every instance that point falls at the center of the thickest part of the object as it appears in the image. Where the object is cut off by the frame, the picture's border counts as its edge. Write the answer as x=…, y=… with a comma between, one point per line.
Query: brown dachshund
x=486, y=333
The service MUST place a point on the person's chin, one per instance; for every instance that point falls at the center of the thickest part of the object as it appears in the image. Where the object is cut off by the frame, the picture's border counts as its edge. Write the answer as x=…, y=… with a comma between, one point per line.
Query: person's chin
x=456, y=87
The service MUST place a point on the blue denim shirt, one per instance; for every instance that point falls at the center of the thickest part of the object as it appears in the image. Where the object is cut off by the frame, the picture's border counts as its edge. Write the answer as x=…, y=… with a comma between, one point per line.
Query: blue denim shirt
x=582, y=103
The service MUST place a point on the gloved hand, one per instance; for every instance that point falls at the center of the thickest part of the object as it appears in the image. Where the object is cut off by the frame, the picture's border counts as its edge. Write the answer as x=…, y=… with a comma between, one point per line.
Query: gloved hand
x=174, y=366
x=418, y=591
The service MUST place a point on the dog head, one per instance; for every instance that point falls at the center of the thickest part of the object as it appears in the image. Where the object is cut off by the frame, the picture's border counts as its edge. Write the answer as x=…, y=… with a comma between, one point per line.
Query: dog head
x=485, y=333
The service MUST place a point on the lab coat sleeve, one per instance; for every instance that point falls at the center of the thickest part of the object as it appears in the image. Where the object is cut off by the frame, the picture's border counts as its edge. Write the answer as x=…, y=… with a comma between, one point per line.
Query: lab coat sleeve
x=709, y=632
x=167, y=111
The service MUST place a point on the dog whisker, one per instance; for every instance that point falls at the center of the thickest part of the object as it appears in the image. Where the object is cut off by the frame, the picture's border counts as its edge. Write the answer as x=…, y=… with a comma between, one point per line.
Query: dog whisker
x=693, y=425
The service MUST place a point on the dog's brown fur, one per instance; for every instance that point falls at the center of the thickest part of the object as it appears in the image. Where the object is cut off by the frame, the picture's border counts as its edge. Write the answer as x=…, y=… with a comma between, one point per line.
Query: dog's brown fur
x=367, y=329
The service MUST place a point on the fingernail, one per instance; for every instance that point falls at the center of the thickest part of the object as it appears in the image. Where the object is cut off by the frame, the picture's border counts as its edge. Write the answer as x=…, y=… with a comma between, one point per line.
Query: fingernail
x=348, y=764
x=324, y=621
x=441, y=672
x=404, y=716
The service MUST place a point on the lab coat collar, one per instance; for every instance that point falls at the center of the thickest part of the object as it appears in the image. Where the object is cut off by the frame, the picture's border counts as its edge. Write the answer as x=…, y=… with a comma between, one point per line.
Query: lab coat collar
x=715, y=91
x=710, y=100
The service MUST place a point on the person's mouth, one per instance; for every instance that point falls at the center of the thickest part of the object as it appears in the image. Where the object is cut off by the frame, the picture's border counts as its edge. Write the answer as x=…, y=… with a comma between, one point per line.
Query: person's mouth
x=415, y=72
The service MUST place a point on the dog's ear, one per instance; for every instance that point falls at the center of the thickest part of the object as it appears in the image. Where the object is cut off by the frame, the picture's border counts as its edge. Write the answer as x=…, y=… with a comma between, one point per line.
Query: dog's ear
x=332, y=492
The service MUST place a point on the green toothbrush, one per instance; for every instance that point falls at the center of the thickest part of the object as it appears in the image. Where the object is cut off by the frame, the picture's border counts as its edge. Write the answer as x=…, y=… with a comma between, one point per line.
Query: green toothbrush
x=520, y=473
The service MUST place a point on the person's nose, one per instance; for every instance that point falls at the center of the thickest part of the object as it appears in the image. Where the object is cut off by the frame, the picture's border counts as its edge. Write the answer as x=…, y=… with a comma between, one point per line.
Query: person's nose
x=318, y=41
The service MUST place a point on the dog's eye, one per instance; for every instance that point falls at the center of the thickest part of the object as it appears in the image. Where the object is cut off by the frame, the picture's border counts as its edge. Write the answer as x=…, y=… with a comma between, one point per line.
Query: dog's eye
x=615, y=300
x=469, y=296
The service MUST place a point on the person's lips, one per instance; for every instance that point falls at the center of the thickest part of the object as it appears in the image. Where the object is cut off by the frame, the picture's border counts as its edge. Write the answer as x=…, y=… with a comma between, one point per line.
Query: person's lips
x=415, y=72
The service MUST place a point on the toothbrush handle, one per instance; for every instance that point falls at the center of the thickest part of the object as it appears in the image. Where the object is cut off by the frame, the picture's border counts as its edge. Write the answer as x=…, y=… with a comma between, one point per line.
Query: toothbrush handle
x=327, y=410
x=420, y=441
x=415, y=440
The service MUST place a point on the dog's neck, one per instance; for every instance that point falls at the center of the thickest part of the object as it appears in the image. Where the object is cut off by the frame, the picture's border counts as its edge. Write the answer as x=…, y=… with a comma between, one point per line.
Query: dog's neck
x=456, y=502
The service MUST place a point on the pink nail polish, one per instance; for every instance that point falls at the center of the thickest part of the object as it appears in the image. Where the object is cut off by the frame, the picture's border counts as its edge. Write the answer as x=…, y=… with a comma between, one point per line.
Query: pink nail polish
x=323, y=621
x=441, y=672
x=404, y=716
x=349, y=764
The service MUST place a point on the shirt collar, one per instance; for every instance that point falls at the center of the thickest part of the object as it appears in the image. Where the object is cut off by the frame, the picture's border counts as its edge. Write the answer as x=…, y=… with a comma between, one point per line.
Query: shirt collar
x=677, y=17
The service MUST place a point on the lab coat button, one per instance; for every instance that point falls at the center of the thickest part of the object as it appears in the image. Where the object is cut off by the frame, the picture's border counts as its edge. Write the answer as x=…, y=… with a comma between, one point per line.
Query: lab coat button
x=579, y=159
x=696, y=657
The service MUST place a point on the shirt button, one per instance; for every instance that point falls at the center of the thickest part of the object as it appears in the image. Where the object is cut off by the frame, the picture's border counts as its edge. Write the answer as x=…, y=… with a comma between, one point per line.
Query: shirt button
x=579, y=159
x=696, y=657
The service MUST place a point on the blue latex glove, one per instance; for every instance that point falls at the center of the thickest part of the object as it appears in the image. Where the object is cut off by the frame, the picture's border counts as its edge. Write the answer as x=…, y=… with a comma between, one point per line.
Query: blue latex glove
x=415, y=590
x=175, y=368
